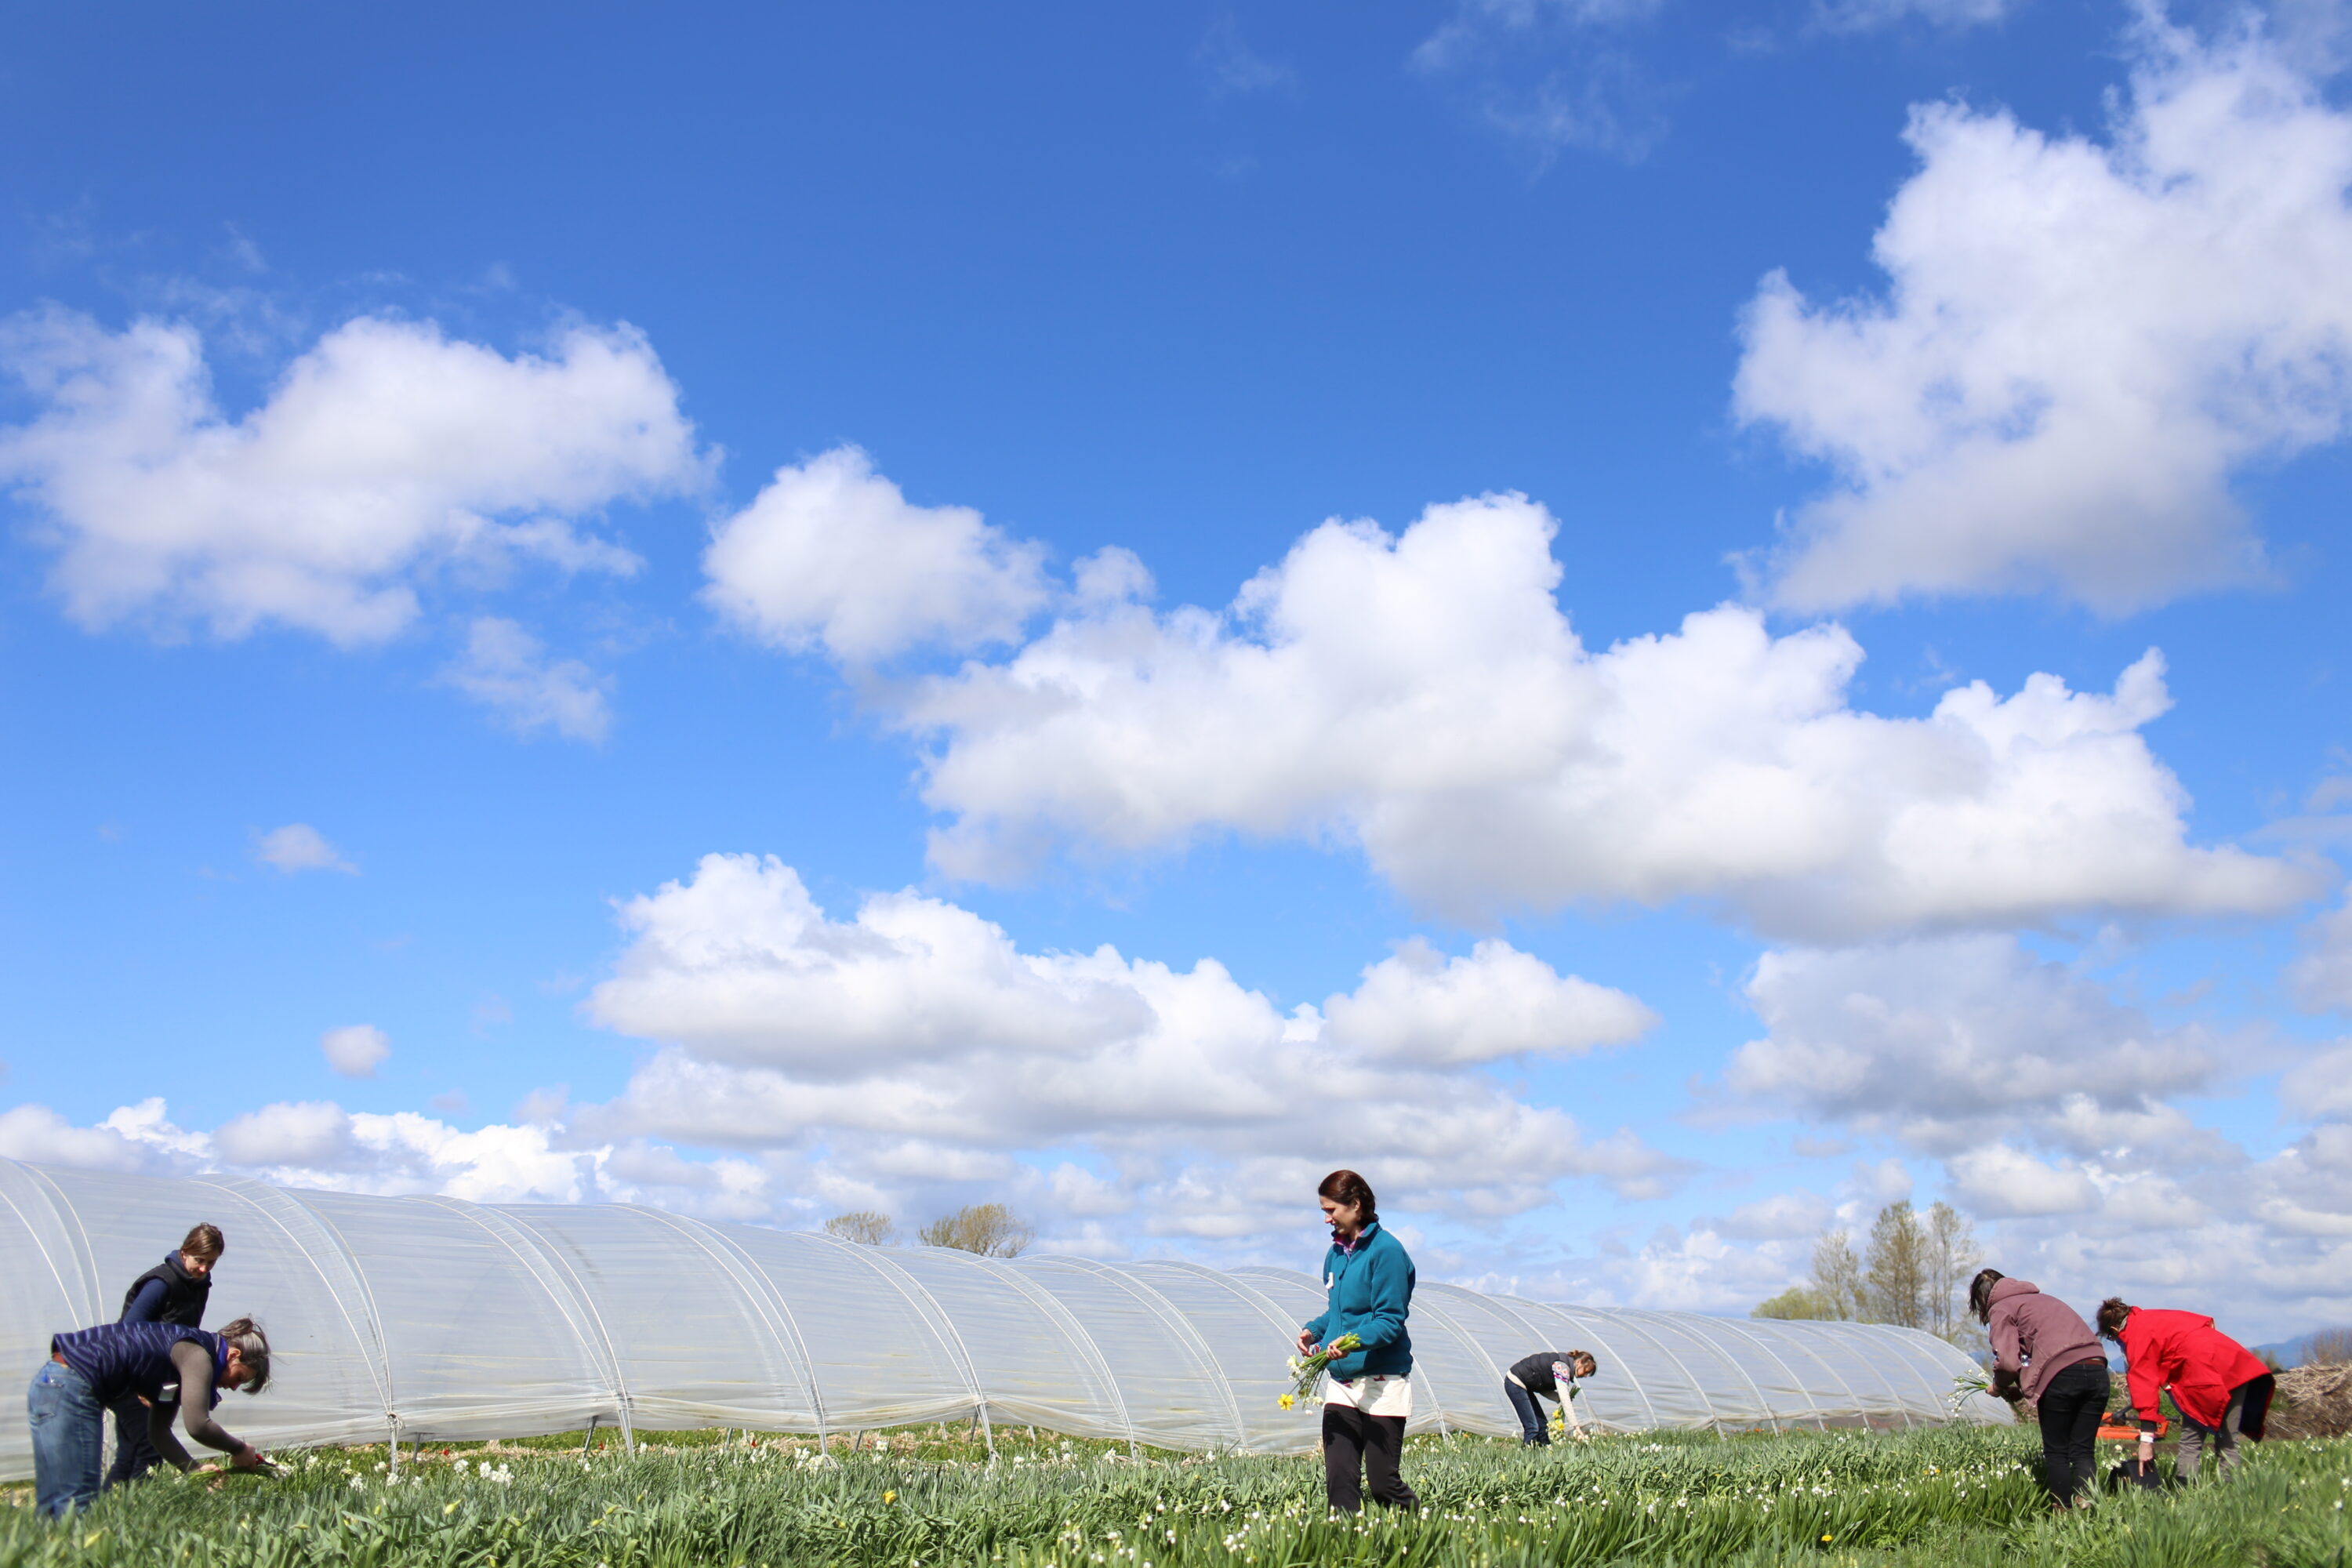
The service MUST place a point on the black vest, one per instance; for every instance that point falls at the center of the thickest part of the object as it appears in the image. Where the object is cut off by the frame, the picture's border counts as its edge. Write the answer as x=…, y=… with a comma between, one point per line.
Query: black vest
x=1534, y=1372
x=183, y=1298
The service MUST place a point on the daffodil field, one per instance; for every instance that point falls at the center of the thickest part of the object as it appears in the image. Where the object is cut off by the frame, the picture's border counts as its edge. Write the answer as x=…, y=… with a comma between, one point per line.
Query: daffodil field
x=928, y=1498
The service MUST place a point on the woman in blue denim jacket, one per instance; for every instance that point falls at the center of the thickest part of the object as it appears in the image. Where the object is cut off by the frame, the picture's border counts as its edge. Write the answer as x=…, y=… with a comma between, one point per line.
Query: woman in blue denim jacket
x=1369, y=1280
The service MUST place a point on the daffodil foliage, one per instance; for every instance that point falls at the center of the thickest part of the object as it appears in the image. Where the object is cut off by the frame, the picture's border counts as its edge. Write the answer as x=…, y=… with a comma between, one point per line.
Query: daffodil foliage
x=926, y=1499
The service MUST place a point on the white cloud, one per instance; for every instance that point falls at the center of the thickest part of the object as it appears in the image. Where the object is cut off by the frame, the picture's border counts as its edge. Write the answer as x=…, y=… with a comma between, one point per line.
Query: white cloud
x=507, y=670
x=1539, y=72
x=1423, y=697
x=298, y=846
x=2322, y=978
x=2082, y=344
x=1999, y=1180
x=1869, y=16
x=37, y=1134
x=1423, y=1006
x=917, y=1044
x=2320, y=1086
x=385, y=454
x=319, y=1144
x=1232, y=67
x=2053, y=1109
x=1789, y=1216
x=832, y=556
x=742, y=964
x=1480, y=28
x=355, y=1050
x=314, y=1134
x=1949, y=1044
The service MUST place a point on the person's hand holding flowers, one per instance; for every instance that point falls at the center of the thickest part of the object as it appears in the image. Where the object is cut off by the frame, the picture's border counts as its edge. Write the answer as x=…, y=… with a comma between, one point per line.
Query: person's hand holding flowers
x=1304, y=1370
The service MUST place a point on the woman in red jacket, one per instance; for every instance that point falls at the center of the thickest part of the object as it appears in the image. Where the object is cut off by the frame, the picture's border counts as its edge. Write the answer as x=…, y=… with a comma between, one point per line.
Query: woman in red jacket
x=2221, y=1389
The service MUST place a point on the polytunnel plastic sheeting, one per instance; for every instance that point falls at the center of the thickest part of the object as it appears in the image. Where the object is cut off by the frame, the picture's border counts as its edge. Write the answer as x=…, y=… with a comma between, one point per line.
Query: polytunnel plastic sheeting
x=891, y=1355
x=480, y=1336
x=432, y=1317
x=1234, y=1323
x=1672, y=1369
x=1035, y=1363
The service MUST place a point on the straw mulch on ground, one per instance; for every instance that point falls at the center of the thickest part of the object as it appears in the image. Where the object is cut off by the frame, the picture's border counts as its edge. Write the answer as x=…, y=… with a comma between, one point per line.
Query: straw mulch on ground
x=2312, y=1402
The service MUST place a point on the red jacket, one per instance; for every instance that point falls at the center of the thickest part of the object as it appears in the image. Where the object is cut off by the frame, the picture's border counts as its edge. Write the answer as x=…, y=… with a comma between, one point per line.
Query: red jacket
x=2201, y=1363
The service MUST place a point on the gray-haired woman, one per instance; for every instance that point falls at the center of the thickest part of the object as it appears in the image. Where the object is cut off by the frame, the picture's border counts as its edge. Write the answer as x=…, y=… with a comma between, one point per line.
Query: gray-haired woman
x=169, y=1366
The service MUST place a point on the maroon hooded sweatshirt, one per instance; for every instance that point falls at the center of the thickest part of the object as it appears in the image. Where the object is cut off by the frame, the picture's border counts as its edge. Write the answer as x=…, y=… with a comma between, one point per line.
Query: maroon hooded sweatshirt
x=2037, y=1336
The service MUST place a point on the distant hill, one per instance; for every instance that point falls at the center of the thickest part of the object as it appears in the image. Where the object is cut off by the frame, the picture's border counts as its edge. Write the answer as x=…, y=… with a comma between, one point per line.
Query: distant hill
x=2293, y=1352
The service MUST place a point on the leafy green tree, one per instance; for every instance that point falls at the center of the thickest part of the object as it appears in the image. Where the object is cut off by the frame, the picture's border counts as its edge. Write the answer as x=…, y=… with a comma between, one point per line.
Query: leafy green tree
x=1797, y=1302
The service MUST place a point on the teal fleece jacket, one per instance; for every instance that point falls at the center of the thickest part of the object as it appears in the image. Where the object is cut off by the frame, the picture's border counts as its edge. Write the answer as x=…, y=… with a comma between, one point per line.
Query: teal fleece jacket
x=1370, y=1290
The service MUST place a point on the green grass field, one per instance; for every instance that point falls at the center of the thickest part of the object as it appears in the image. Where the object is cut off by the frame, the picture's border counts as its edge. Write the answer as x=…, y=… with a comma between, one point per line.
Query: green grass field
x=1946, y=1498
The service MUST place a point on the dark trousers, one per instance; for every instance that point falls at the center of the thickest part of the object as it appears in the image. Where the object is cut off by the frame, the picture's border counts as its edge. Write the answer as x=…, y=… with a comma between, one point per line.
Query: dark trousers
x=1356, y=1445
x=2071, y=1404
x=133, y=1455
x=1533, y=1429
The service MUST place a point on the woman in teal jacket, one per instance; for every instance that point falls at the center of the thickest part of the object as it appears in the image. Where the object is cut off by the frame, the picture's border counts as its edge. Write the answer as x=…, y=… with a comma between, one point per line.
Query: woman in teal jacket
x=1369, y=1283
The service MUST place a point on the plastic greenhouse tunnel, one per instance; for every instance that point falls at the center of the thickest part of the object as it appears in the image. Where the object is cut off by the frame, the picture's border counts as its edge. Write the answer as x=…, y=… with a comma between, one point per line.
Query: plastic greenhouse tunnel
x=431, y=1319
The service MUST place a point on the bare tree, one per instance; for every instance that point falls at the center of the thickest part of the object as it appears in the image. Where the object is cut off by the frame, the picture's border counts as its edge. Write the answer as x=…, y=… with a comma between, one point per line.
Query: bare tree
x=1837, y=1276
x=1897, y=1278
x=865, y=1227
x=990, y=1229
x=1908, y=1273
x=1952, y=1256
x=2330, y=1347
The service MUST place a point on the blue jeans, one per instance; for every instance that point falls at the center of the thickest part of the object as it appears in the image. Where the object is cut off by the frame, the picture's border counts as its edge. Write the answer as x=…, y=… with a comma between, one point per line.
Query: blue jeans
x=69, y=1438
x=1533, y=1429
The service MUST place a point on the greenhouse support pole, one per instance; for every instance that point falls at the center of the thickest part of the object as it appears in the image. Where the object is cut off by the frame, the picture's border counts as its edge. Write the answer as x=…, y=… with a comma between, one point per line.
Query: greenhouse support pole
x=588, y=1438
x=392, y=1466
x=980, y=1425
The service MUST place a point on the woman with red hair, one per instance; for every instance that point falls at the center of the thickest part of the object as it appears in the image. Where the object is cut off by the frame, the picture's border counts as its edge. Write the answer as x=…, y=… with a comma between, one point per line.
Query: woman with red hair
x=2221, y=1389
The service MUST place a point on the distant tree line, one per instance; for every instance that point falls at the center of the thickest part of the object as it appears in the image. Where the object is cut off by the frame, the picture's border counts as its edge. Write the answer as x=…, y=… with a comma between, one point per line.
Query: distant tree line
x=1913, y=1270
x=990, y=1230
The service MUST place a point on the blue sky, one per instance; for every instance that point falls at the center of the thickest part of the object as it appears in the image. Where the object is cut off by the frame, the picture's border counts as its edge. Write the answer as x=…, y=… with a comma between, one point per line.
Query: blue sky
x=466, y=472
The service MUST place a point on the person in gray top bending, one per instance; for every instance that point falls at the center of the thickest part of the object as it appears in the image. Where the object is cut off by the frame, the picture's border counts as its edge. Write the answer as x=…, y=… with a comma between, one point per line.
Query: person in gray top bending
x=171, y=1366
x=1551, y=1374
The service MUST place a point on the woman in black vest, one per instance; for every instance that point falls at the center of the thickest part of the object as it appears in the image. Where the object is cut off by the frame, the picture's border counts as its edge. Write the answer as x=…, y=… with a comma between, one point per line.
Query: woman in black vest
x=172, y=1292
x=1553, y=1374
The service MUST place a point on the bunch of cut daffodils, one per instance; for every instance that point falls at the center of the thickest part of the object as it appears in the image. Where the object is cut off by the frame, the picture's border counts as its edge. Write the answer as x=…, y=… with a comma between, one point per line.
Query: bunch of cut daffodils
x=1306, y=1369
x=1559, y=1416
x=1966, y=1386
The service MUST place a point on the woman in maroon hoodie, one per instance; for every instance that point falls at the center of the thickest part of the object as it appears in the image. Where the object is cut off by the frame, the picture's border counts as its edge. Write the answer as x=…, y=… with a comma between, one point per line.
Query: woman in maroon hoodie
x=2043, y=1346
x=2220, y=1387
